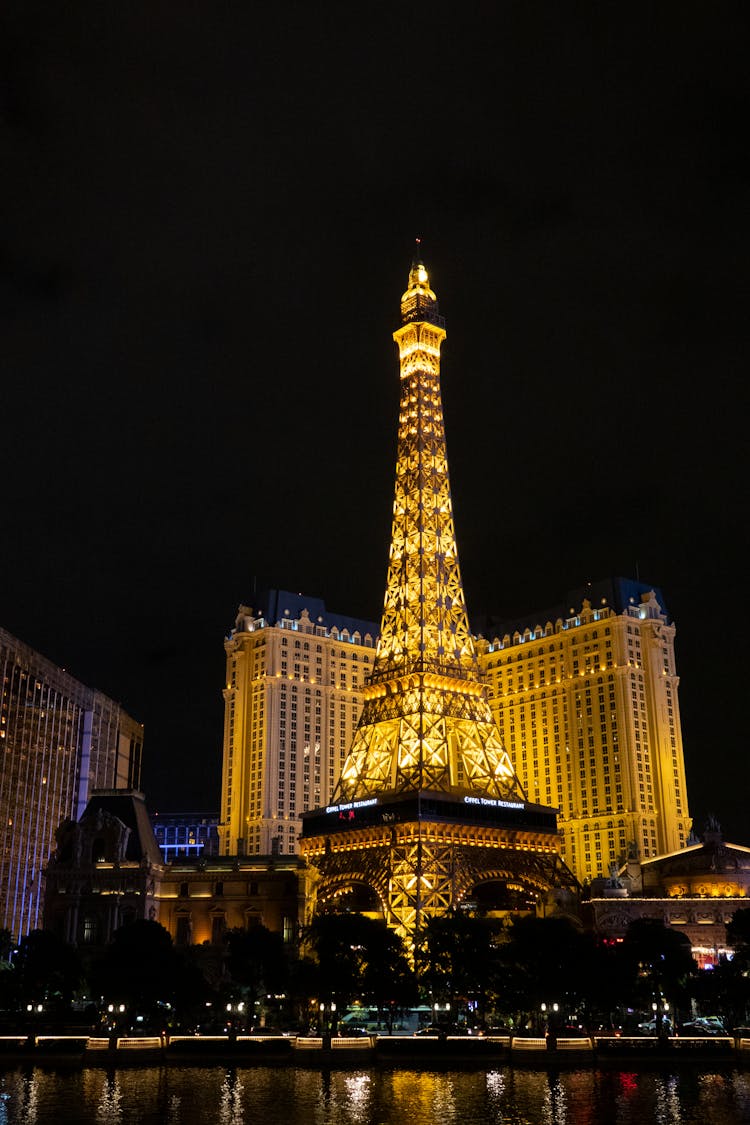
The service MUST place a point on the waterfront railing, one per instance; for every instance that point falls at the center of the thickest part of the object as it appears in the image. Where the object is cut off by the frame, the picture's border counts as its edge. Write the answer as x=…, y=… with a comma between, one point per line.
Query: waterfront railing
x=387, y=1049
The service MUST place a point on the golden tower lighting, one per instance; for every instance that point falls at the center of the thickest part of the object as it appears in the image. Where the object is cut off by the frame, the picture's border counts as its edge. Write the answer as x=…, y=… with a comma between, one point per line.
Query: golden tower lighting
x=428, y=804
x=426, y=723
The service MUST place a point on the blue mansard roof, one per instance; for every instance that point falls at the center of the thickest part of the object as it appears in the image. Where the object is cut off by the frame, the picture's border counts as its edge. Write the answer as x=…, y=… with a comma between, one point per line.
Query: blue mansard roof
x=278, y=605
x=617, y=593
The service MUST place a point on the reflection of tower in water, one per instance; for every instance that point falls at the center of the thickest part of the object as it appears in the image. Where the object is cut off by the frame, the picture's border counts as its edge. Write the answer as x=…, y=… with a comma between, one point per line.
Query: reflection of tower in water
x=428, y=805
x=231, y=1111
x=109, y=1106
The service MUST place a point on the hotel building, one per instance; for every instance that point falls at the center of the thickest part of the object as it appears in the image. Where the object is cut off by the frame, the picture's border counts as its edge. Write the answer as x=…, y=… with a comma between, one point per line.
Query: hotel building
x=293, y=693
x=585, y=696
x=58, y=740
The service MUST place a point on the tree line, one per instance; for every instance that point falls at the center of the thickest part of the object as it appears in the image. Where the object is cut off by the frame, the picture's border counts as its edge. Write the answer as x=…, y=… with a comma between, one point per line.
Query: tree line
x=465, y=970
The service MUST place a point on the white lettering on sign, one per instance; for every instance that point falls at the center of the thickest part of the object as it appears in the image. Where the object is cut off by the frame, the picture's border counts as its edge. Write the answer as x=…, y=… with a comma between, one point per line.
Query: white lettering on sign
x=493, y=802
x=352, y=805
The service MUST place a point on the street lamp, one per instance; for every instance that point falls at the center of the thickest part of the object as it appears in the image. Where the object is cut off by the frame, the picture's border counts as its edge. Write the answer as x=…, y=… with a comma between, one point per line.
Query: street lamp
x=437, y=1007
x=327, y=1017
x=661, y=1019
x=113, y=1011
x=233, y=1026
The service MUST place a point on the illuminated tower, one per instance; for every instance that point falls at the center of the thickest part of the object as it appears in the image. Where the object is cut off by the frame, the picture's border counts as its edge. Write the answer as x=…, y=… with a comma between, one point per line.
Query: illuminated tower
x=428, y=805
x=426, y=723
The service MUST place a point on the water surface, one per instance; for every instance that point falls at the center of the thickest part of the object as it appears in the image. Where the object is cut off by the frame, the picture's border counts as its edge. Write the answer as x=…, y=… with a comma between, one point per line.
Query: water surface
x=172, y=1095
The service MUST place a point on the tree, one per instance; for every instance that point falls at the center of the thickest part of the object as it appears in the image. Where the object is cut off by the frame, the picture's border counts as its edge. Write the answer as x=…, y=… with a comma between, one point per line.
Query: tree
x=360, y=958
x=726, y=988
x=256, y=962
x=303, y=987
x=457, y=959
x=738, y=936
x=6, y=944
x=658, y=963
x=49, y=970
x=337, y=942
x=544, y=961
x=388, y=981
x=723, y=990
x=140, y=968
x=605, y=984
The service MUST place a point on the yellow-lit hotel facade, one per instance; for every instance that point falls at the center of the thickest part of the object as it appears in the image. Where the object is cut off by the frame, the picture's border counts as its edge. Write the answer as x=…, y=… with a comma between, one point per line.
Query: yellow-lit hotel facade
x=292, y=698
x=585, y=698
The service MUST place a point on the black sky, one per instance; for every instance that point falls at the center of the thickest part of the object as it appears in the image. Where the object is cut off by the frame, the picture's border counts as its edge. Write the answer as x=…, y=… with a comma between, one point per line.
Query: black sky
x=208, y=223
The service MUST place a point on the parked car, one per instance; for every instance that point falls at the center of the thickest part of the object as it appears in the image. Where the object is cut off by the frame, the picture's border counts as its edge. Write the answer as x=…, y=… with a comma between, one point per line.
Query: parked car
x=713, y=1021
x=703, y=1025
x=649, y=1027
x=693, y=1028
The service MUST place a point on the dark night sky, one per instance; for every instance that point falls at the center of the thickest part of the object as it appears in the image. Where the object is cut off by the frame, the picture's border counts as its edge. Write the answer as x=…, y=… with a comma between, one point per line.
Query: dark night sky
x=210, y=213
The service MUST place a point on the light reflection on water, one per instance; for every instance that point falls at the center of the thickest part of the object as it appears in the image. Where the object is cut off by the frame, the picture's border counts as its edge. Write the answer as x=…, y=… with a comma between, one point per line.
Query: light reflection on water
x=667, y=1102
x=555, y=1111
x=230, y=1109
x=185, y=1095
x=109, y=1107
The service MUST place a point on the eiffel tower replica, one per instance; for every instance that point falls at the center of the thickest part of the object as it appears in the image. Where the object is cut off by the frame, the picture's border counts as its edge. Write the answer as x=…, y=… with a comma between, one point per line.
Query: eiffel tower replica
x=428, y=806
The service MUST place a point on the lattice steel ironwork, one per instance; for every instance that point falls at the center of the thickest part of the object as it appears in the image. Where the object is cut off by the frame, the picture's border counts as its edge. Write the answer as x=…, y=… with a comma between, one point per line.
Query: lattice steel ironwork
x=426, y=728
x=425, y=868
x=426, y=721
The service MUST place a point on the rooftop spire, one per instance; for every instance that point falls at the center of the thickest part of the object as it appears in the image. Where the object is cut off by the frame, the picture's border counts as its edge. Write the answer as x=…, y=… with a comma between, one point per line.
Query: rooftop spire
x=419, y=302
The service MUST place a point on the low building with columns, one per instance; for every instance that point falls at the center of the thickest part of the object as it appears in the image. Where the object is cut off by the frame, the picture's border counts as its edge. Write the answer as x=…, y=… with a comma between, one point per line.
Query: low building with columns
x=696, y=890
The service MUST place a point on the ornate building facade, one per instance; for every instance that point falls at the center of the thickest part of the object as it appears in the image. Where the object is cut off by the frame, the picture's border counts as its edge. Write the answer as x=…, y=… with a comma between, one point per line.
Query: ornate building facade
x=107, y=870
x=428, y=806
x=696, y=890
x=295, y=673
x=586, y=697
x=58, y=740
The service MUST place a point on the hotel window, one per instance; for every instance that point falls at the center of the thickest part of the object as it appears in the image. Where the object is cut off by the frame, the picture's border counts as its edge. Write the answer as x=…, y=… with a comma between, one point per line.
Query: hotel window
x=90, y=931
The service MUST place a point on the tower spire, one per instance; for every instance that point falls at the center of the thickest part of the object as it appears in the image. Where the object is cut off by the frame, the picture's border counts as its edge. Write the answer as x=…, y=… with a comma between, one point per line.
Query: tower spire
x=426, y=723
